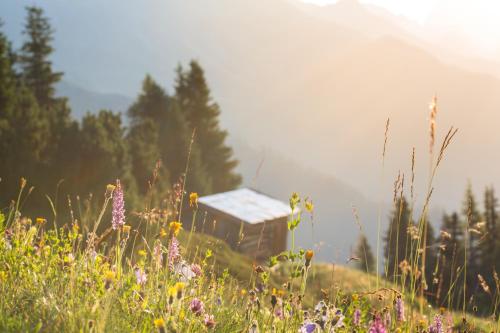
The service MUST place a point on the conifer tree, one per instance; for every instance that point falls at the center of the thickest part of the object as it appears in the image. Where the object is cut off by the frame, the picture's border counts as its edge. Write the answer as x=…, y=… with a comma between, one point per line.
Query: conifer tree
x=472, y=217
x=364, y=253
x=159, y=132
x=396, y=239
x=103, y=147
x=202, y=114
x=39, y=77
x=451, y=255
x=489, y=244
x=23, y=131
x=38, y=74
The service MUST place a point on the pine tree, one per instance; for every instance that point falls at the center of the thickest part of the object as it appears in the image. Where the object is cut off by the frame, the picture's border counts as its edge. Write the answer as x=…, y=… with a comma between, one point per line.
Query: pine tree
x=35, y=57
x=38, y=76
x=473, y=217
x=489, y=245
x=451, y=255
x=103, y=153
x=364, y=253
x=159, y=131
x=396, y=239
x=23, y=131
x=202, y=114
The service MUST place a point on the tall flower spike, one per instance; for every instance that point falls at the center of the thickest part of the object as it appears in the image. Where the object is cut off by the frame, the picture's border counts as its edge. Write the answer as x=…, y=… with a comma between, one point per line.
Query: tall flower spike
x=400, y=309
x=118, y=219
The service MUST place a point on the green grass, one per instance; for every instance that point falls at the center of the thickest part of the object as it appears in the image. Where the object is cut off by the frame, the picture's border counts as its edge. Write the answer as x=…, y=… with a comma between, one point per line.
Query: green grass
x=69, y=281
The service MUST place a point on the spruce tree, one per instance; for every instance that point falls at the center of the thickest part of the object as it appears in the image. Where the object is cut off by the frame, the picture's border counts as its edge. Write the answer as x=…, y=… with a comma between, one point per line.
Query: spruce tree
x=396, y=240
x=38, y=74
x=202, y=114
x=364, y=253
x=103, y=153
x=472, y=216
x=23, y=131
x=159, y=131
x=489, y=245
x=451, y=256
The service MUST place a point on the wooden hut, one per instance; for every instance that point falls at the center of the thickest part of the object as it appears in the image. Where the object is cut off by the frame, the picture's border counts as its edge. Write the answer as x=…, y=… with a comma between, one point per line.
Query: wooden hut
x=250, y=222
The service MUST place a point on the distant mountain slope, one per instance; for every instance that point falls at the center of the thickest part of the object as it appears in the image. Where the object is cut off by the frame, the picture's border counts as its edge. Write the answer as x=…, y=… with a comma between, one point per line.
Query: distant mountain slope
x=335, y=229
x=82, y=100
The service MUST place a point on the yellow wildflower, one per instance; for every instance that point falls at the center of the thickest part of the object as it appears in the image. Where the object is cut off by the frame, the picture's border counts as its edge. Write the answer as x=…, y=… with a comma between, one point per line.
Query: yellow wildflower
x=142, y=253
x=309, y=206
x=309, y=255
x=175, y=227
x=243, y=292
x=126, y=229
x=40, y=220
x=163, y=233
x=355, y=297
x=109, y=276
x=193, y=199
x=159, y=323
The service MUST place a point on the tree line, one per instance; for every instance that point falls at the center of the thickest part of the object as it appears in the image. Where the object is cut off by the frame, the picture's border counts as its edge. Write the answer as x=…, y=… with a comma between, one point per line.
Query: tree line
x=168, y=134
x=465, y=252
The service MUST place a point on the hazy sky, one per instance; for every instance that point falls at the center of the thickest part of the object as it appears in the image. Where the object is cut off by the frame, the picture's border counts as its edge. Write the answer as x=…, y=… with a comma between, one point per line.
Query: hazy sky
x=478, y=21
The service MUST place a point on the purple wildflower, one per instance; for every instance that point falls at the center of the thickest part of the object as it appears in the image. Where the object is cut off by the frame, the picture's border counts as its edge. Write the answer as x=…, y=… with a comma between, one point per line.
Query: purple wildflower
x=400, y=309
x=141, y=276
x=356, y=320
x=307, y=327
x=197, y=306
x=173, y=252
x=377, y=326
x=209, y=321
x=196, y=270
x=118, y=207
x=437, y=327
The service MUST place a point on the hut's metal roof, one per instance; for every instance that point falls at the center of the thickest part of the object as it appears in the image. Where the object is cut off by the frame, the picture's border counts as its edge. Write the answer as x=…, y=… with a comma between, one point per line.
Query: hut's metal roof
x=247, y=205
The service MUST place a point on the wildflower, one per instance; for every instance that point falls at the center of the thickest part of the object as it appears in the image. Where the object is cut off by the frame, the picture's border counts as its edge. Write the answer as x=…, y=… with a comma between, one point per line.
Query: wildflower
x=338, y=319
x=126, y=229
x=118, y=219
x=193, y=199
x=142, y=253
x=356, y=320
x=309, y=206
x=400, y=309
x=243, y=292
x=141, y=276
x=163, y=233
x=160, y=325
x=175, y=227
x=172, y=291
x=377, y=326
x=109, y=190
x=308, y=327
x=294, y=200
x=173, y=252
x=179, y=287
x=437, y=327
x=40, y=220
x=308, y=256
x=197, y=306
x=109, y=277
x=209, y=321
x=196, y=269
